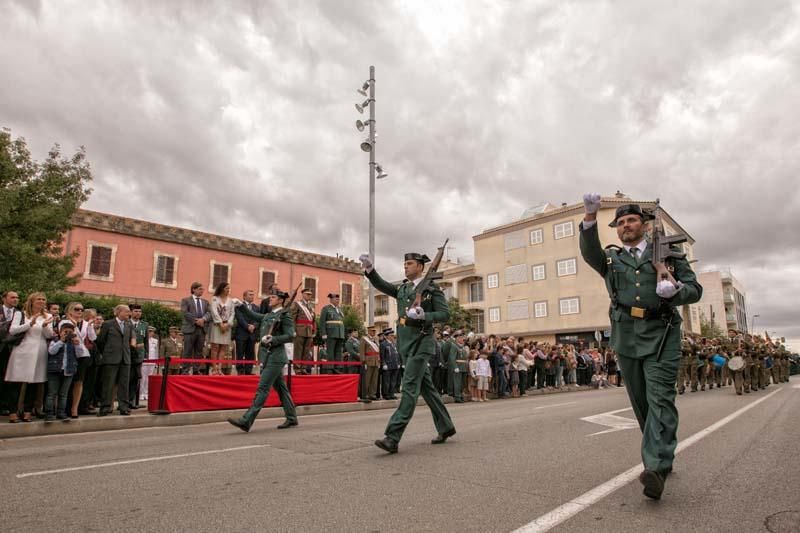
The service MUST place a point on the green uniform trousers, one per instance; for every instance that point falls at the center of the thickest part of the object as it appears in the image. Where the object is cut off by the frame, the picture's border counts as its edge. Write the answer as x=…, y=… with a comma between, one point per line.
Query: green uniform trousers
x=417, y=380
x=271, y=376
x=651, y=388
x=334, y=348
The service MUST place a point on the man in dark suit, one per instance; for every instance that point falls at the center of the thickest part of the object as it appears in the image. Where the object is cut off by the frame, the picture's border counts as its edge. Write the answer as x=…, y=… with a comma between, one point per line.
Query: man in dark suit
x=114, y=347
x=246, y=333
x=196, y=315
x=9, y=314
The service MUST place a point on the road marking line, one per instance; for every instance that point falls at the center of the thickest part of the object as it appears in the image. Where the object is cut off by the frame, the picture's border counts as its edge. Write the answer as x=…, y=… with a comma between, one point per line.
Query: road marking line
x=571, y=508
x=133, y=461
x=554, y=405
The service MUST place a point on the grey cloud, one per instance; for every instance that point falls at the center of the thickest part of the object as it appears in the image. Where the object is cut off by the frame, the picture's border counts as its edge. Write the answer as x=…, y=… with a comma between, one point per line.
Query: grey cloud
x=238, y=118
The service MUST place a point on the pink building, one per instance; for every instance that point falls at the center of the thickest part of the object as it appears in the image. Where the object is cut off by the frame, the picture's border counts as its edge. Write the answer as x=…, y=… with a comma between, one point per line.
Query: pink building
x=144, y=261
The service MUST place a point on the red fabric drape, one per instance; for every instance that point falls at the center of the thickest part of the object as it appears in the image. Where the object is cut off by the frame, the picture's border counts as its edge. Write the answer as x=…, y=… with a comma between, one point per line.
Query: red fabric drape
x=210, y=393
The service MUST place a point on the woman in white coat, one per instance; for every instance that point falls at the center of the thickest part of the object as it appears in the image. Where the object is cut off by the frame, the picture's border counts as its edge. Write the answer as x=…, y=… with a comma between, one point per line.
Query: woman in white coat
x=28, y=361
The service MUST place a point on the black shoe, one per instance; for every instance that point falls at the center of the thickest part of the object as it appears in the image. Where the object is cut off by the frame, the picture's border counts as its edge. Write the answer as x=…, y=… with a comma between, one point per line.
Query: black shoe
x=287, y=424
x=441, y=438
x=135, y=407
x=653, y=482
x=386, y=444
x=239, y=424
x=103, y=412
x=459, y=401
x=681, y=390
x=125, y=413
x=62, y=417
x=49, y=418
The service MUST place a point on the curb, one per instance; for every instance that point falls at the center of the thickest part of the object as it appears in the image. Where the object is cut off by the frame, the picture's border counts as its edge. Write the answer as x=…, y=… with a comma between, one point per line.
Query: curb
x=90, y=423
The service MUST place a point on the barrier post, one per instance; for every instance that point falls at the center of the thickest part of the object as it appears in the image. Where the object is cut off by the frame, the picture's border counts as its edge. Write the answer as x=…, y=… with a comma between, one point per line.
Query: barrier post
x=162, y=399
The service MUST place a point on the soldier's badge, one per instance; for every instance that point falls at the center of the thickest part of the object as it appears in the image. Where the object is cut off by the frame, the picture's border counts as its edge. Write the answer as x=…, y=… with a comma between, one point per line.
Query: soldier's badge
x=608, y=261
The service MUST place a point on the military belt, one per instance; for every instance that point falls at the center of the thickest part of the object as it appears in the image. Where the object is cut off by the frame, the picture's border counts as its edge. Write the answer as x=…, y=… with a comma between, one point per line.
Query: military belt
x=645, y=313
x=461, y=361
x=334, y=322
x=411, y=322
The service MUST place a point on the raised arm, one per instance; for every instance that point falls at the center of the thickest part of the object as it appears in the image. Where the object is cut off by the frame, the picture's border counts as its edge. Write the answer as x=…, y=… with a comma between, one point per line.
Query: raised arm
x=250, y=314
x=381, y=284
x=591, y=249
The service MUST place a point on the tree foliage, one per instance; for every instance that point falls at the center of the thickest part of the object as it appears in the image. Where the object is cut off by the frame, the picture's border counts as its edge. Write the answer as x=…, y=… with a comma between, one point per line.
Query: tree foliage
x=459, y=317
x=38, y=200
x=353, y=320
x=709, y=329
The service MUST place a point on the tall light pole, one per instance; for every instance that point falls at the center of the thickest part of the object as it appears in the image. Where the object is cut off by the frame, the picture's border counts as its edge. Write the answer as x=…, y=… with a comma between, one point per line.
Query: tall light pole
x=753, y=324
x=368, y=145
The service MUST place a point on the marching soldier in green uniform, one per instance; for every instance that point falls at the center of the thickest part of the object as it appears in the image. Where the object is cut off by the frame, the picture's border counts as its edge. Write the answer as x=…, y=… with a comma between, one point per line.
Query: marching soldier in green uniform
x=273, y=353
x=687, y=352
x=351, y=351
x=750, y=363
x=331, y=323
x=645, y=328
x=416, y=344
x=732, y=347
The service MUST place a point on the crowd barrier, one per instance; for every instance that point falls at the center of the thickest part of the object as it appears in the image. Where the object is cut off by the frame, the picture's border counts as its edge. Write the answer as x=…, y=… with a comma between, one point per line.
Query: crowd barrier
x=175, y=393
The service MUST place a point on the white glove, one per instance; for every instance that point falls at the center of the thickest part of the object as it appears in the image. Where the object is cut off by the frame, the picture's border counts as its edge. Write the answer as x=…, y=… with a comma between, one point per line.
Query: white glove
x=415, y=312
x=456, y=370
x=236, y=302
x=366, y=264
x=266, y=339
x=591, y=203
x=666, y=289
x=324, y=337
x=386, y=367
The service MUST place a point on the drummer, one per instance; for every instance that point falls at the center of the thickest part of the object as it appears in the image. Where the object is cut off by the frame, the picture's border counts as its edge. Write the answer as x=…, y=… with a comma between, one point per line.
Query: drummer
x=736, y=364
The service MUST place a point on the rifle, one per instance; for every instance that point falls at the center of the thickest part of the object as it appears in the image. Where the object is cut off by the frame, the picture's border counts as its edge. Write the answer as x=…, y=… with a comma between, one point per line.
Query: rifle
x=662, y=243
x=431, y=275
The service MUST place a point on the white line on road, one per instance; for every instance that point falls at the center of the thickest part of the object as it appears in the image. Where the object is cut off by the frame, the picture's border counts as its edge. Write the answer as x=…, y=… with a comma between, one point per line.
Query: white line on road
x=142, y=460
x=571, y=508
x=553, y=405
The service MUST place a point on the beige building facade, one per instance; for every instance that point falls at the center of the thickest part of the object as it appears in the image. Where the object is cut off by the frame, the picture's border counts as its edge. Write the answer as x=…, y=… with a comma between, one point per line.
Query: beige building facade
x=724, y=300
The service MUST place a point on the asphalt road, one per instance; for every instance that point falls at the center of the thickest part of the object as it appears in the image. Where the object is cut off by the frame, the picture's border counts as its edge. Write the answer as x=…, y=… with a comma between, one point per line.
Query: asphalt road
x=513, y=462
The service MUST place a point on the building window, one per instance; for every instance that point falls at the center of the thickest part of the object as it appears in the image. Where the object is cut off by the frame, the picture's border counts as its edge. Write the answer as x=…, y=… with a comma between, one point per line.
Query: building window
x=516, y=274
x=517, y=310
x=447, y=290
x=476, y=322
x=475, y=292
x=537, y=236
x=494, y=314
x=567, y=267
x=100, y=261
x=540, y=309
x=165, y=268
x=565, y=229
x=346, y=292
x=267, y=280
x=381, y=305
x=493, y=280
x=220, y=273
x=514, y=240
x=569, y=306
x=310, y=284
x=537, y=272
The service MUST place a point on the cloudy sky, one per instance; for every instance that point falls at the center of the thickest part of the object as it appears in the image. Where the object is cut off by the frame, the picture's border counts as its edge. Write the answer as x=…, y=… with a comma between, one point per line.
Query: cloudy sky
x=238, y=118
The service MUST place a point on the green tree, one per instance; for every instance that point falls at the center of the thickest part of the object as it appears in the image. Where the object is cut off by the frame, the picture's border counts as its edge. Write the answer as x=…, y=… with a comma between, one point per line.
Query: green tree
x=709, y=329
x=38, y=201
x=353, y=320
x=157, y=315
x=459, y=317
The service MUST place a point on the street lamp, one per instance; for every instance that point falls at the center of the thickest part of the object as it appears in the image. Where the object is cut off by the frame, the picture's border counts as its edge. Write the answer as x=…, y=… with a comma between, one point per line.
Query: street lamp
x=368, y=145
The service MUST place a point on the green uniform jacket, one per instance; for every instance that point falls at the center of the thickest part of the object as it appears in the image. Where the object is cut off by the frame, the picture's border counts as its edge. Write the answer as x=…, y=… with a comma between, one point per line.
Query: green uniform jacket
x=351, y=347
x=283, y=332
x=433, y=303
x=634, y=283
x=452, y=352
x=331, y=322
x=138, y=353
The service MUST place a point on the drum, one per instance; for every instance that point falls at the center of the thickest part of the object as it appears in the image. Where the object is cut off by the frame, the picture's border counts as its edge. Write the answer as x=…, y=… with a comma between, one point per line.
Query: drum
x=736, y=363
x=718, y=360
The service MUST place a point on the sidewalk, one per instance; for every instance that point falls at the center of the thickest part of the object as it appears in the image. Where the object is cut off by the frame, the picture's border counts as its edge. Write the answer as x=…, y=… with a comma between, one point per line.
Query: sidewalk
x=142, y=419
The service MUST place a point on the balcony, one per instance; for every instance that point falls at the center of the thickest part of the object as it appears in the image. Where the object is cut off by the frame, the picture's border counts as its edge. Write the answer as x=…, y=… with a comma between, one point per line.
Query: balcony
x=728, y=298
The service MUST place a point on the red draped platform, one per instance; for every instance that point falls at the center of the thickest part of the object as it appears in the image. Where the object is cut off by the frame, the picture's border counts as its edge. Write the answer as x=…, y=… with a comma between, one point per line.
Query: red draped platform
x=210, y=393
